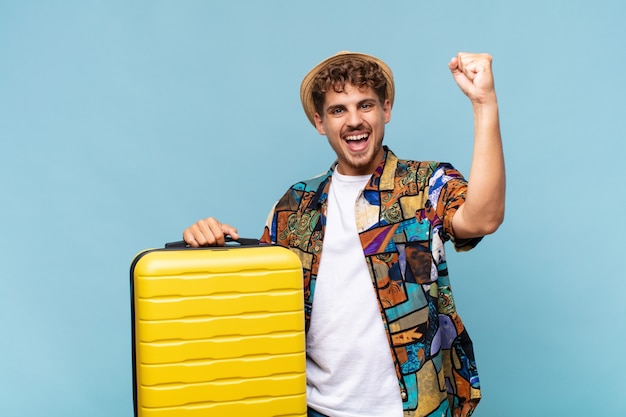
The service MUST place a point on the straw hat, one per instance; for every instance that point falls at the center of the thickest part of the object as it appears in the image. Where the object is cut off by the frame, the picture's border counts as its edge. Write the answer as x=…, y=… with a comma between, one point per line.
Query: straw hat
x=306, y=87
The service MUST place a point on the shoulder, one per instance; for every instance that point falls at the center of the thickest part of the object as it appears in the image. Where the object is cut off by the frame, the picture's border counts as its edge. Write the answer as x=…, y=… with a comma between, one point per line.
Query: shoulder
x=311, y=184
x=303, y=192
x=425, y=171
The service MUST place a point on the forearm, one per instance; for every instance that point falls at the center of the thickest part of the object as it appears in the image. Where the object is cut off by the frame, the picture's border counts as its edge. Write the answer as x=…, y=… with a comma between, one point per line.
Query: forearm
x=483, y=210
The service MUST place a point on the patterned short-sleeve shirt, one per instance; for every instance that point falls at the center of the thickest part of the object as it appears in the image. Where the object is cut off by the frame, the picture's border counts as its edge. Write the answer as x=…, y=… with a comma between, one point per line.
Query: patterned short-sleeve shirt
x=404, y=216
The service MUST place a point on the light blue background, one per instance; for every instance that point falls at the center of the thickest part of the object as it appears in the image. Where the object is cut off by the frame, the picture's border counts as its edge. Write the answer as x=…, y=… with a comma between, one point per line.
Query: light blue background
x=122, y=122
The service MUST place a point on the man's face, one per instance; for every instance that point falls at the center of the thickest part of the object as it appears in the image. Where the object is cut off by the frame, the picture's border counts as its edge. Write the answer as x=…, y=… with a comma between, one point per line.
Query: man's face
x=354, y=123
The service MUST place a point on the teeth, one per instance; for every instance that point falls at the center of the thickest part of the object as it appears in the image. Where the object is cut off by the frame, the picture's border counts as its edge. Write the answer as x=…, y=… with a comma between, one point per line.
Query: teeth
x=357, y=137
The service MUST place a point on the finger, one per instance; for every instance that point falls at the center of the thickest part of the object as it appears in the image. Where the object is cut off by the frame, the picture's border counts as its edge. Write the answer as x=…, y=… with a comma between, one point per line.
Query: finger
x=230, y=231
x=189, y=237
x=453, y=64
x=467, y=65
x=202, y=234
x=209, y=232
x=211, y=229
x=474, y=63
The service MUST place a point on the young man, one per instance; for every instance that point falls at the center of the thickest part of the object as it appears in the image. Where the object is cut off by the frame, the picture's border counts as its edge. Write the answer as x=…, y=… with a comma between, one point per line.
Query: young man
x=383, y=335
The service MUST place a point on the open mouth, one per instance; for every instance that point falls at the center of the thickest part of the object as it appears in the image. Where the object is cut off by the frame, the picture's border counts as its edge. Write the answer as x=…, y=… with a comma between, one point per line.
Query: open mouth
x=356, y=143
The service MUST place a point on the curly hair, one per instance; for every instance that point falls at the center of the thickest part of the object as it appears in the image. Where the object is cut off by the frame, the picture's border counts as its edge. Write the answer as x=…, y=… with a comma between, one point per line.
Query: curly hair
x=351, y=70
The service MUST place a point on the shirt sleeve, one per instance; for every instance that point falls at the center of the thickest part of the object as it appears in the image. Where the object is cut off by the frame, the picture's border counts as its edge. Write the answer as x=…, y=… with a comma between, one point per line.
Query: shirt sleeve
x=268, y=237
x=451, y=197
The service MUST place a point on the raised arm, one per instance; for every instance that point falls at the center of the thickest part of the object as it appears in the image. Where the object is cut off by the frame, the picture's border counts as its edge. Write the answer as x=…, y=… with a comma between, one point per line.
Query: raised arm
x=483, y=210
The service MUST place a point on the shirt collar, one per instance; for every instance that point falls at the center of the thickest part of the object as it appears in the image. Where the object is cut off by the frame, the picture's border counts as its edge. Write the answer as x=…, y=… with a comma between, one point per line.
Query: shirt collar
x=382, y=178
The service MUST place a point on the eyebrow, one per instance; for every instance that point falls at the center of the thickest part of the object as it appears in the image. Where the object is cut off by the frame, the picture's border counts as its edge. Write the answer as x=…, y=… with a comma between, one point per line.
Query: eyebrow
x=368, y=101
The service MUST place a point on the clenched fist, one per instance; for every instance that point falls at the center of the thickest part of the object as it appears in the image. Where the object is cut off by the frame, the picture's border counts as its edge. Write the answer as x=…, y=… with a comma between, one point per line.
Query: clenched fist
x=473, y=73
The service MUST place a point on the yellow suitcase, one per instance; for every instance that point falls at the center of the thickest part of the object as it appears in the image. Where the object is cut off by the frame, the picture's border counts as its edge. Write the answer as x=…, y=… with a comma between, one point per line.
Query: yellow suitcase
x=218, y=332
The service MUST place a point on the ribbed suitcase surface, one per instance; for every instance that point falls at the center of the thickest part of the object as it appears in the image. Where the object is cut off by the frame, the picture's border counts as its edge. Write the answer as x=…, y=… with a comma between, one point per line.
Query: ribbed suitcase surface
x=218, y=332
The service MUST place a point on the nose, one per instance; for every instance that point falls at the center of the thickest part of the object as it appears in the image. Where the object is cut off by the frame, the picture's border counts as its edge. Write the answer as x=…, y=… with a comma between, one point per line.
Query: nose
x=354, y=119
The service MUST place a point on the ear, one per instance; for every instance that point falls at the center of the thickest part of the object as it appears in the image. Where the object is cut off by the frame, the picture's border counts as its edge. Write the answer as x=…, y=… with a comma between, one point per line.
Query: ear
x=319, y=124
x=387, y=110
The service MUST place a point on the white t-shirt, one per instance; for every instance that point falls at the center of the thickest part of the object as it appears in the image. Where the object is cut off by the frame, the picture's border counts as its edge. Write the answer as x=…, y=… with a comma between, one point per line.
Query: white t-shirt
x=350, y=372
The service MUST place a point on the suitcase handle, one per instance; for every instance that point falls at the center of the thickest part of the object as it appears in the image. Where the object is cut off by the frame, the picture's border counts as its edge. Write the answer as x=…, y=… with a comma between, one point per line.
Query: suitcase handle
x=242, y=241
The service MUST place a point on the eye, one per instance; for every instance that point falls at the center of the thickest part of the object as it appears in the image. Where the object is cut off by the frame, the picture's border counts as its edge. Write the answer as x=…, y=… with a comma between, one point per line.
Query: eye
x=336, y=110
x=367, y=106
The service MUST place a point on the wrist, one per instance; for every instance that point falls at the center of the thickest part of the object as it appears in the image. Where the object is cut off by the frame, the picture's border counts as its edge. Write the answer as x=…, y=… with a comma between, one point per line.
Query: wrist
x=485, y=109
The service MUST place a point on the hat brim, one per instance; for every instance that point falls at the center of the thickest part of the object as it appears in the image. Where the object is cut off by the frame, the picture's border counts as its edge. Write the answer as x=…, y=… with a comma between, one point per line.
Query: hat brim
x=306, y=88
